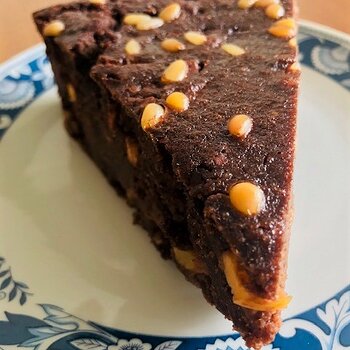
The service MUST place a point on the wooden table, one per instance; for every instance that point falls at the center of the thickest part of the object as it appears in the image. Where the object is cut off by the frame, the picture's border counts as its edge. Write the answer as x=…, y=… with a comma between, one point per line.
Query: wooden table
x=17, y=31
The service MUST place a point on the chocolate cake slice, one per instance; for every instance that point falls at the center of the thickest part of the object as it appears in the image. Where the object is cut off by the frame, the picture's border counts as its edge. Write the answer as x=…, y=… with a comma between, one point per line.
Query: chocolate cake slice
x=189, y=109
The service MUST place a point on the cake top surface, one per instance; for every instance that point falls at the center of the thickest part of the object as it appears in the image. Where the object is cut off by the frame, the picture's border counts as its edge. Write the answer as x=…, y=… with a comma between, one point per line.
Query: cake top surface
x=258, y=82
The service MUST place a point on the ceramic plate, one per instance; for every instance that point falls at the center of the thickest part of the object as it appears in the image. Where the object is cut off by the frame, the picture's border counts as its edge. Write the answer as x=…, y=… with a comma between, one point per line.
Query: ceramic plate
x=76, y=274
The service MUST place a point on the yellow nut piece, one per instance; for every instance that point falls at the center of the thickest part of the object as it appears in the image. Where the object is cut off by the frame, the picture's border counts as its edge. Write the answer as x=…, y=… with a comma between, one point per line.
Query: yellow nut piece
x=132, y=47
x=97, y=2
x=274, y=11
x=172, y=45
x=171, y=12
x=281, y=31
x=295, y=67
x=265, y=3
x=242, y=296
x=188, y=260
x=233, y=49
x=292, y=42
x=131, y=151
x=150, y=23
x=176, y=71
x=286, y=22
x=240, y=125
x=178, y=101
x=54, y=28
x=152, y=115
x=195, y=38
x=134, y=18
x=247, y=198
x=72, y=95
x=246, y=4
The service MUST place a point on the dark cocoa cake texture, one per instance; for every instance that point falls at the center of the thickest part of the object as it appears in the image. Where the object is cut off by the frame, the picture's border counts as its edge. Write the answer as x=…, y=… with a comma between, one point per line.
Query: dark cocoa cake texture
x=178, y=161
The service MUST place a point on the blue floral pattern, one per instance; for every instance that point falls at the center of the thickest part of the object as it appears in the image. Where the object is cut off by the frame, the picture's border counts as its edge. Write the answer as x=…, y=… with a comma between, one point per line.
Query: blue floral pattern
x=232, y=344
x=9, y=288
x=325, y=327
x=15, y=94
x=330, y=56
x=22, y=84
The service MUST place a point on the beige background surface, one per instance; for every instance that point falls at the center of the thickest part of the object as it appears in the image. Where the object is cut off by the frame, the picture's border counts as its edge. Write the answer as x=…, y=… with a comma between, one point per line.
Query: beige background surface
x=17, y=31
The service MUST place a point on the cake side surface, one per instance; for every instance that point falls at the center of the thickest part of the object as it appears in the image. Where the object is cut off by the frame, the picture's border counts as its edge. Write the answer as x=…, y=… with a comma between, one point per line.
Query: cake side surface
x=179, y=173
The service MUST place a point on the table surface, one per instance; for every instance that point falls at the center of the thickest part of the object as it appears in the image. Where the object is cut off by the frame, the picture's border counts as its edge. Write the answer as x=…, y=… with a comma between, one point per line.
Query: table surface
x=17, y=31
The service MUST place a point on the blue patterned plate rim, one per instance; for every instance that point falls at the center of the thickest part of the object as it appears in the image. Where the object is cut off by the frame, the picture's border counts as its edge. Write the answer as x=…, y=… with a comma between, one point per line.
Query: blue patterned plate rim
x=325, y=326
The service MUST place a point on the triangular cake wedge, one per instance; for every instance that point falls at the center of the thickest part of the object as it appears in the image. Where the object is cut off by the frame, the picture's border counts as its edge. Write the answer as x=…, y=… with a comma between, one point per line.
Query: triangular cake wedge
x=189, y=109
